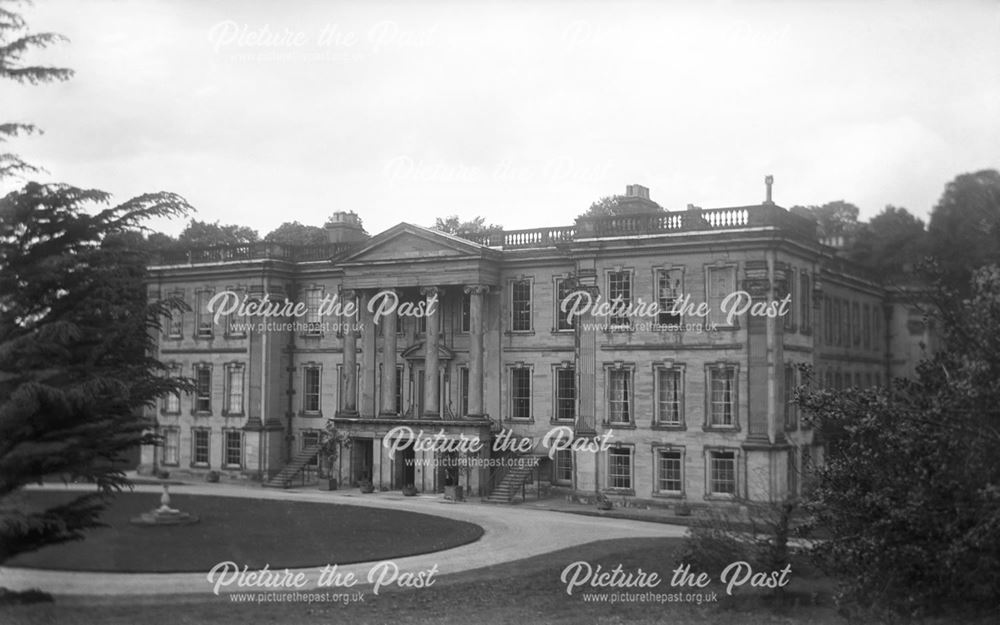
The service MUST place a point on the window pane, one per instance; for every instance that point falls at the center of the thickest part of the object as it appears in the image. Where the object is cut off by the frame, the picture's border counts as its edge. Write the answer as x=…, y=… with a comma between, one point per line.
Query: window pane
x=563, y=289
x=619, y=396
x=171, y=447
x=670, y=478
x=723, y=472
x=620, y=295
x=520, y=389
x=200, y=455
x=563, y=466
x=723, y=380
x=311, y=391
x=619, y=468
x=668, y=289
x=721, y=282
x=669, y=396
x=234, y=448
x=520, y=306
x=565, y=393
x=203, y=389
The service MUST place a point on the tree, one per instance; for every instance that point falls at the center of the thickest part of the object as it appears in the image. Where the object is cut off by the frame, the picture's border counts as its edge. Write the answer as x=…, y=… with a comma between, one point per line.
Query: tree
x=893, y=242
x=607, y=206
x=474, y=227
x=15, y=42
x=205, y=234
x=965, y=226
x=908, y=499
x=75, y=329
x=294, y=233
x=833, y=219
x=75, y=337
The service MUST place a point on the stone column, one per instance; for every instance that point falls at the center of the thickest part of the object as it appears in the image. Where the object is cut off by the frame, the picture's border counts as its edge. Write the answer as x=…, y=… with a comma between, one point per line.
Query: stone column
x=350, y=357
x=368, y=400
x=388, y=323
x=431, y=392
x=477, y=293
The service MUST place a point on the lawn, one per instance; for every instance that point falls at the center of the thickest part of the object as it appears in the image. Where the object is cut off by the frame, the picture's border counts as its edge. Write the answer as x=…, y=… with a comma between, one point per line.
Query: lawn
x=524, y=592
x=249, y=531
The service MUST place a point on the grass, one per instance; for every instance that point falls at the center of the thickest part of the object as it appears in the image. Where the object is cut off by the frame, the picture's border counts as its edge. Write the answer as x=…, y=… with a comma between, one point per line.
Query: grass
x=254, y=532
x=526, y=591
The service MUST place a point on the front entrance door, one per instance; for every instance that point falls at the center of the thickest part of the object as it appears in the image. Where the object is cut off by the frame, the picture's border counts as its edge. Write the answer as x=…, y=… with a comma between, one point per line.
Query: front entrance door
x=362, y=460
x=404, y=475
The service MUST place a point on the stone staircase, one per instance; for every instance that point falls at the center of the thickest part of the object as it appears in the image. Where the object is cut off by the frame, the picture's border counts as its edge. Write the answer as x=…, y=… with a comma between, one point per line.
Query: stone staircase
x=511, y=481
x=287, y=474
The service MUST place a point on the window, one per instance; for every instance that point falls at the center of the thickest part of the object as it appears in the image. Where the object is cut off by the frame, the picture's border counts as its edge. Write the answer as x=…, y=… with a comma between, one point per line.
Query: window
x=845, y=324
x=856, y=323
x=564, y=287
x=311, y=389
x=805, y=303
x=466, y=312
x=313, y=298
x=520, y=306
x=669, y=471
x=790, y=315
x=791, y=410
x=233, y=440
x=199, y=446
x=463, y=382
x=565, y=393
x=721, y=283
x=669, y=383
x=520, y=393
x=172, y=402
x=877, y=326
x=722, y=472
x=399, y=390
x=234, y=389
x=668, y=290
x=620, y=468
x=203, y=388
x=562, y=467
x=620, y=297
x=171, y=446
x=619, y=395
x=793, y=474
x=236, y=326
x=176, y=328
x=828, y=320
x=722, y=395
x=866, y=320
x=203, y=319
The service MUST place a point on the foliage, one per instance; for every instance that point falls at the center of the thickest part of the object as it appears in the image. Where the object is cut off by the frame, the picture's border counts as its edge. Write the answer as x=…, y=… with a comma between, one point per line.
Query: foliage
x=894, y=242
x=833, y=219
x=75, y=331
x=475, y=226
x=759, y=535
x=15, y=42
x=965, y=226
x=294, y=233
x=607, y=206
x=909, y=494
x=205, y=234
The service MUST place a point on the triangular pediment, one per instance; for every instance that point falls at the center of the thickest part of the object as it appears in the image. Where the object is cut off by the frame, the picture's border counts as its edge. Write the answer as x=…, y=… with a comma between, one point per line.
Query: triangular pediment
x=408, y=242
x=419, y=352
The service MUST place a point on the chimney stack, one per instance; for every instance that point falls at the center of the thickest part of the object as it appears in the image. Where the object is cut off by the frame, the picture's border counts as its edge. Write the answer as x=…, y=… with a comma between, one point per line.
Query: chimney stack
x=768, y=182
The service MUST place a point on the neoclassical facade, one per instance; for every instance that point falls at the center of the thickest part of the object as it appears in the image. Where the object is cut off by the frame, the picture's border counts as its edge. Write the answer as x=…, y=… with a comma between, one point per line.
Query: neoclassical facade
x=686, y=402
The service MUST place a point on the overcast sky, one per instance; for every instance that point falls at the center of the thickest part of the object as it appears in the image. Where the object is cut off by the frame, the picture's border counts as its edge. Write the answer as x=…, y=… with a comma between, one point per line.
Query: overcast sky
x=524, y=112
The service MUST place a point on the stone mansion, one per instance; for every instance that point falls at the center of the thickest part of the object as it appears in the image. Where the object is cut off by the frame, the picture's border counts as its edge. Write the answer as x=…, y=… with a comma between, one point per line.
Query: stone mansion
x=689, y=400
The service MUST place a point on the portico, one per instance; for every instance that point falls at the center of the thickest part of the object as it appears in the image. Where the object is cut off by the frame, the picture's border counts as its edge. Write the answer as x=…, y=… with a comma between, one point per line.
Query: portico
x=421, y=298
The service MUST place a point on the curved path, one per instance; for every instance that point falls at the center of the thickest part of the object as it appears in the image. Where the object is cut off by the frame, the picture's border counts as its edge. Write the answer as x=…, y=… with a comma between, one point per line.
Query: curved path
x=511, y=533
